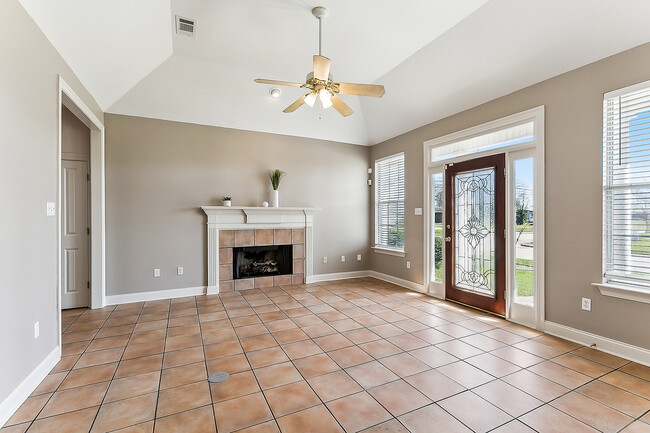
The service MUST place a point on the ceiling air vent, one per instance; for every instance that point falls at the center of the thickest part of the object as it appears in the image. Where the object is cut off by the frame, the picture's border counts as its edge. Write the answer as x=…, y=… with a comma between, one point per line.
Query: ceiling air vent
x=185, y=26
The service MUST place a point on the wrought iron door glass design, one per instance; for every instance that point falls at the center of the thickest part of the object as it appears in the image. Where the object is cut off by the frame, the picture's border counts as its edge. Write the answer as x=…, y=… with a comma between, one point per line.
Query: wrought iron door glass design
x=474, y=208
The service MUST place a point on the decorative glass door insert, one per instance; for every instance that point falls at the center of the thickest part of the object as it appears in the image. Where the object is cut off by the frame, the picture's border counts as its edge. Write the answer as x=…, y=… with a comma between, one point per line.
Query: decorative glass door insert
x=475, y=226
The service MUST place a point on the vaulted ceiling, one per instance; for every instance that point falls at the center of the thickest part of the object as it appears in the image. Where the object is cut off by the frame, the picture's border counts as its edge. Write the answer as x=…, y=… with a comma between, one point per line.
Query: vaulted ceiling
x=435, y=57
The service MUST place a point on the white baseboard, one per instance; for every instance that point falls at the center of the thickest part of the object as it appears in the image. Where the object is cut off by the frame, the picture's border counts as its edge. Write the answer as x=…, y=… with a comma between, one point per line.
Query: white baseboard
x=18, y=396
x=336, y=276
x=398, y=281
x=367, y=273
x=155, y=295
x=604, y=344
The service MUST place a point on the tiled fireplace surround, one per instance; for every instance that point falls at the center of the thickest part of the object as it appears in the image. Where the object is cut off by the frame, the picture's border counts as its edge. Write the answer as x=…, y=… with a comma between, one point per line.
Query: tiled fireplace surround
x=230, y=227
x=260, y=237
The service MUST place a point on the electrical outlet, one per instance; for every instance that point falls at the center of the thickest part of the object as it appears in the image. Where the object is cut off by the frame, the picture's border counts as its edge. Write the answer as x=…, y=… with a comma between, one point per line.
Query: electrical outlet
x=156, y=273
x=324, y=259
x=342, y=259
x=408, y=265
x=358, y=257
x=50, y=209
x=179, y=270
x=37, y=329
x=586, y=304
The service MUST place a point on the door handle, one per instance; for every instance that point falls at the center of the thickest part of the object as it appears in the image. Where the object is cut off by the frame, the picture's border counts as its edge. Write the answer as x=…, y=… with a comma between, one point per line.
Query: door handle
x=448, y=239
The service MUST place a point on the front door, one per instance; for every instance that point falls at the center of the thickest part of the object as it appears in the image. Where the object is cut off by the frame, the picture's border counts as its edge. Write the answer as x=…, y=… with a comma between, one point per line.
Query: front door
x=475, y=233
x=75, y=286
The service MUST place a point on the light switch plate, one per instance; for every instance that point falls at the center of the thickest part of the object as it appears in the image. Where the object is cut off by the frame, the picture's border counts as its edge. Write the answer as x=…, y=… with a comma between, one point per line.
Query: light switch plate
x=418, y=211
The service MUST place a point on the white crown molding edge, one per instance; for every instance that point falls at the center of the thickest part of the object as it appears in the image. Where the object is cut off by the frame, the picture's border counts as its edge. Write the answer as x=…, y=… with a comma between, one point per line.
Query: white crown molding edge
x=18, y=396
x=156, y=295
x=604, y=344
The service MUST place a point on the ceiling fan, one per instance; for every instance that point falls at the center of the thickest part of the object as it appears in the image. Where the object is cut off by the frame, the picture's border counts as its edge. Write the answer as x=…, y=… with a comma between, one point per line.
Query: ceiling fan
x=320, y=83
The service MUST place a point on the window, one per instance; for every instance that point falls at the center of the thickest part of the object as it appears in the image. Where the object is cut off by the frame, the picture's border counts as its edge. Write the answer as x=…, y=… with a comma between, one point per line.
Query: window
x=389, y=203
x=626, y=186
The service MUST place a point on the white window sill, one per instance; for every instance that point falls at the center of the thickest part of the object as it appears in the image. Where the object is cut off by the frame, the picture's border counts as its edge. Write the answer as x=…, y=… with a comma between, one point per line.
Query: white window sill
x=623, y=292
x=389, y=251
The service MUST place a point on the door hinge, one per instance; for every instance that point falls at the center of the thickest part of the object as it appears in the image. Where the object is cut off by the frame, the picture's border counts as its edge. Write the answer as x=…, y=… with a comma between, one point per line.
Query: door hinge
x=88, y=230
x=504, y=172
x=504, y=233
x=87, y=284
x=87, y=176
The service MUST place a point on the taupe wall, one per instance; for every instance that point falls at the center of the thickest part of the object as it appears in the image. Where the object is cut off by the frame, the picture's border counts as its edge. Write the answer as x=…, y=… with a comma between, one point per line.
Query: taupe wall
x=158, y=173
x=28, y=179
x=75, y=136
x=573, y=128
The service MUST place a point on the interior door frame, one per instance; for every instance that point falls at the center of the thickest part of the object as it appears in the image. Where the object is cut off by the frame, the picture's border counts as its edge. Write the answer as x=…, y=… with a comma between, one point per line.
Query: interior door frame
x=536, y=115
x=498, y=162
x=71, y=100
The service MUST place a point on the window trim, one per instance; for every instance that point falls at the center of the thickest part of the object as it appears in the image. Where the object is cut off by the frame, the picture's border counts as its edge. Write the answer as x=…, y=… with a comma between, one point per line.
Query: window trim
x=618, y=289
x=385, y=249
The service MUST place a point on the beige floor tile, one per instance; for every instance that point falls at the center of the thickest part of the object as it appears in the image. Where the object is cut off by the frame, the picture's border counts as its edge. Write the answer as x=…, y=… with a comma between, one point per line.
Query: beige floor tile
x=195, y=420
x=133, y=386
x=237, y=385
x=313, y=420
x=125, y=413
x=74, y=399
x=399, y=397
x=290, y=398
x=422, y=420
x=182, y=398
x=483, y=416
x=592, y=413
x=334, y=385
x=241, y=412
x=358, y=411
x=72, y=422
x=183, y=375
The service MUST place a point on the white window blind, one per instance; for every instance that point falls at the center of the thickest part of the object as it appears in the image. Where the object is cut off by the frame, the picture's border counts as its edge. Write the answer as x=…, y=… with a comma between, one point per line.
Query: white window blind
x=626, y=186
x=389, y=202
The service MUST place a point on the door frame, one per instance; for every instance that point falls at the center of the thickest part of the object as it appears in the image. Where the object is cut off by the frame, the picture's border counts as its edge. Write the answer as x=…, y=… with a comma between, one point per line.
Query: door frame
x=536, y=115
x=71, y=100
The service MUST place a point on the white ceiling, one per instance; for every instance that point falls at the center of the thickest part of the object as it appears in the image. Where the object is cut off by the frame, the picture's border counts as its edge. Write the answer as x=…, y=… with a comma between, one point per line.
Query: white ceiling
x=435, y=57
x=109, y=44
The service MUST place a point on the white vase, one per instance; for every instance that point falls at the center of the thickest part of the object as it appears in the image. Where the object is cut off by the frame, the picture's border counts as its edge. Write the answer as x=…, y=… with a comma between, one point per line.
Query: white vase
x=275, y=198
x=227, y=203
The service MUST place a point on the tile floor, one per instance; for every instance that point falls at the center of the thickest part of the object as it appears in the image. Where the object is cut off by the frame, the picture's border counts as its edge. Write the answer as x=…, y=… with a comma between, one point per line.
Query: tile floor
x=354, y=355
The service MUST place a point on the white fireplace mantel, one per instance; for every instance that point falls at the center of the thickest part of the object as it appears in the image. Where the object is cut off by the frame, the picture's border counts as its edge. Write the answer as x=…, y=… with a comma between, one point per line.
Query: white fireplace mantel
x=252, y=218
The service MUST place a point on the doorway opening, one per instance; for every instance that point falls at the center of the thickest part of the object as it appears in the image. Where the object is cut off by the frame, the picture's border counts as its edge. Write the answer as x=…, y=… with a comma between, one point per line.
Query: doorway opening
x=484, y=225
x=92, y=221
x=75, y=211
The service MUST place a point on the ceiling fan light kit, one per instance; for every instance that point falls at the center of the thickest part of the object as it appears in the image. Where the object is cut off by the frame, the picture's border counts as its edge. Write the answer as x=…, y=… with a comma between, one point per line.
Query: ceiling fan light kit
x=321, y=84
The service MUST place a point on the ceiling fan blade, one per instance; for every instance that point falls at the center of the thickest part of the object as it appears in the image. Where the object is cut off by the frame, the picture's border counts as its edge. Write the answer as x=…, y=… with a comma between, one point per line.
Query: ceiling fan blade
x=374, y=90
x=341, y=106
x=277, y=83
x=321, y=68
x=293, y=107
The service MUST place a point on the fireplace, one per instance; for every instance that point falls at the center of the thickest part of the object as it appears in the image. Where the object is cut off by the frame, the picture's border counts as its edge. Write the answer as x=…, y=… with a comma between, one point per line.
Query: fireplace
x=262, y=261
x=241, y=228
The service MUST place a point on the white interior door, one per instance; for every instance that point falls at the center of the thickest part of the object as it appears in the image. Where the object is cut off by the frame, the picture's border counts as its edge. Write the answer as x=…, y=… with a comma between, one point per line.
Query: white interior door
x=75, y=235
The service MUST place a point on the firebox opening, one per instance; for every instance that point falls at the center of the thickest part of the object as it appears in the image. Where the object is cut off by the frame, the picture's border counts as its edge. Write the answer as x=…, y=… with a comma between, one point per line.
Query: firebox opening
x=249, y=262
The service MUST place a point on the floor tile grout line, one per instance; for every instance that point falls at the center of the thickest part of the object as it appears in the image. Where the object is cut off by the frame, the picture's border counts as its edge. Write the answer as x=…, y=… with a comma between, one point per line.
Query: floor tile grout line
x=116, y=368
x=381, y=302
x=68, y=372
x=205, y=361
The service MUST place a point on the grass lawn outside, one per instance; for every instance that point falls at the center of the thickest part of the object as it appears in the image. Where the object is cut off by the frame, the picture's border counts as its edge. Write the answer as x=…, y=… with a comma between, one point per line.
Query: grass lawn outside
x=641, y=245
